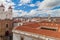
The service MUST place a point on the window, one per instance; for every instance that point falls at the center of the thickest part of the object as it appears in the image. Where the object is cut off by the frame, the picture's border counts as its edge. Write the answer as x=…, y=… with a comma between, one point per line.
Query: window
x=46, y=28
x=7, y=33
x=3, y=9
x=22, y=38
x=6, y=25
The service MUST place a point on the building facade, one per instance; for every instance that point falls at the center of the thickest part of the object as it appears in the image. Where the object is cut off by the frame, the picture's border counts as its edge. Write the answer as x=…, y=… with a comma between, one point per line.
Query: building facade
x=6, y=21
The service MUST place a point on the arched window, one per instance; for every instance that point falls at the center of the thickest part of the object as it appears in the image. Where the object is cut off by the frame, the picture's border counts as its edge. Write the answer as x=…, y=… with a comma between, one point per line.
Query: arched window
x=3, y=9
x=6, y=25
x=7, y=33
x=22, y=38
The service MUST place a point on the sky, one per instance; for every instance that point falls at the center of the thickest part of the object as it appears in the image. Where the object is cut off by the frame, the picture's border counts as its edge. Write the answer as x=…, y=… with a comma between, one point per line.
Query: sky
x=33, y=8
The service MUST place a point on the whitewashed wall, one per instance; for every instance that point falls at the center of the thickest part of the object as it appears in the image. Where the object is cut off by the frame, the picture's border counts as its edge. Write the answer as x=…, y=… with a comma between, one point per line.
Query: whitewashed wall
x=27, y=38
x=18, y=24
x=15, y=24
x=4, y=13
x=9, y=14
x=16, y=36
x=1, y=13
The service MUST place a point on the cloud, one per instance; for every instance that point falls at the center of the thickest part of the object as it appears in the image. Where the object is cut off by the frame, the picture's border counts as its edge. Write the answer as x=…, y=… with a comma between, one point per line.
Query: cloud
x=2, y=1
x=38, y=3
x=54, y=13
x=23, y=13
x=25, y=1
x=48, y=4
x=20, y=5
x=19, y=13
x=43, y=8
x=32, y=5
x=8, y=0
x=15, y=13
x=35, y=12
x=32, y=12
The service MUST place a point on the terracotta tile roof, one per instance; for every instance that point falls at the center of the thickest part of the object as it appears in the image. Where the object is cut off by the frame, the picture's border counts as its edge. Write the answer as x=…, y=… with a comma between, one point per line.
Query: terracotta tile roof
x=50, y=24
x=58, y=20
x=32, y=24
x=32, y=28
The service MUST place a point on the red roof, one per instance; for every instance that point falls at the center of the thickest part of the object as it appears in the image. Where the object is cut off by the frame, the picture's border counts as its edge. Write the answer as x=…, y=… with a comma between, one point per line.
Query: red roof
x=32, y=28
x=32, y=24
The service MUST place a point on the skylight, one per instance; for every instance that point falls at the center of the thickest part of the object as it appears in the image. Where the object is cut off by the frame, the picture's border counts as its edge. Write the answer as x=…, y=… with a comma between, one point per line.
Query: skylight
x=49, y=28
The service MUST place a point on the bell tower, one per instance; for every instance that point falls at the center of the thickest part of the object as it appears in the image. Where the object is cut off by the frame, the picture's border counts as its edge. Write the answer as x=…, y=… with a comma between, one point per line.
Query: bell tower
x=5, y=14
x=6, y=20
x=2, y=11
x=9, y=13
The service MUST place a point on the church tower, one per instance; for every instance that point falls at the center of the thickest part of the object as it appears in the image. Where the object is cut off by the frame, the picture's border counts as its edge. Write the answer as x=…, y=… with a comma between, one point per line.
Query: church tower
x=6, y=20
x=2, y=11
x=9, y=13
x=5, y=14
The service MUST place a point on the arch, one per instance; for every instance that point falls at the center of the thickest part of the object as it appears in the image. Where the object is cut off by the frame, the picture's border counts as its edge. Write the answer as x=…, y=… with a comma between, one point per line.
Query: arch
x=7, y=33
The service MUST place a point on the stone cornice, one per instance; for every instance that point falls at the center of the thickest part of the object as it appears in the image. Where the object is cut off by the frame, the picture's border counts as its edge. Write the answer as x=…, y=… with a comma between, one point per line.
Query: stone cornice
x=33, y=34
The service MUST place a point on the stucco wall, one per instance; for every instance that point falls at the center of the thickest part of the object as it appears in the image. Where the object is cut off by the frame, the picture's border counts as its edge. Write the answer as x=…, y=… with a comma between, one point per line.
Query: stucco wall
x=5, y=14
x=27, y=38
x=16, y=36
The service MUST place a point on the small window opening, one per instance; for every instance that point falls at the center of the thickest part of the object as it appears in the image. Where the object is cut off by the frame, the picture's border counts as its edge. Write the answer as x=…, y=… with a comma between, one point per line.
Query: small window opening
x=22, y=38
x=45, y=28
x=6, y=25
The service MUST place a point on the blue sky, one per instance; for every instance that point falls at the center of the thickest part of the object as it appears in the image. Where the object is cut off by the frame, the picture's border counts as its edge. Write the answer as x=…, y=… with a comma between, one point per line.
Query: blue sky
x=34, y=7
x=25, y=7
